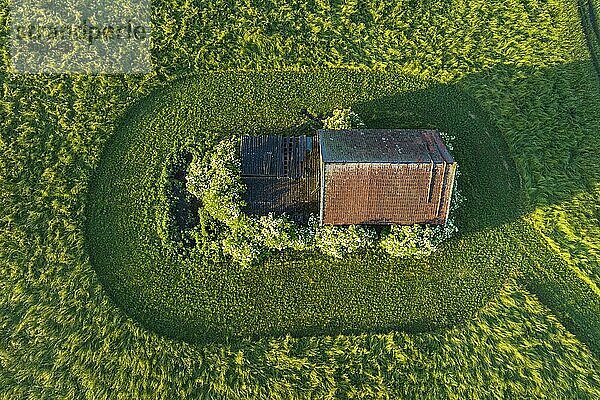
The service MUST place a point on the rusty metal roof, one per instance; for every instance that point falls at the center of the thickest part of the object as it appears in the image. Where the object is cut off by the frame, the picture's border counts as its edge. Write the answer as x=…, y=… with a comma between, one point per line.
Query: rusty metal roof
x=382, y=146
x=386, y=193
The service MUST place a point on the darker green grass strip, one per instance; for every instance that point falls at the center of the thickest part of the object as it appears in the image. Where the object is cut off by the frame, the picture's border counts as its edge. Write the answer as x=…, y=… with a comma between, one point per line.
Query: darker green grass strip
x=196, y=299
x=570, y=298
x=591, y=31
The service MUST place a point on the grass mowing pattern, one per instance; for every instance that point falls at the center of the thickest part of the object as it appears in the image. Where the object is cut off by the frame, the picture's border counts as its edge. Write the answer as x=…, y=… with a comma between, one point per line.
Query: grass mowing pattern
x=591, y=30
x=291, y=294
x=63, y=338
x=515, y=348
x=557, y=156
x=570, y=294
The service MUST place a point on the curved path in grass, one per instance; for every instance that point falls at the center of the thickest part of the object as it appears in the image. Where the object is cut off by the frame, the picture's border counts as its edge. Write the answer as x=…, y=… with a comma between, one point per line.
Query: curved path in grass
x=196, y=299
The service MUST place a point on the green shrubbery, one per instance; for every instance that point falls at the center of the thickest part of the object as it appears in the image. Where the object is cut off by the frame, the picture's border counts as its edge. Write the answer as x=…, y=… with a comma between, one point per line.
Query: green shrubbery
x=214, y=179
x=337, y=241
x=343, y=118
x=409, y=241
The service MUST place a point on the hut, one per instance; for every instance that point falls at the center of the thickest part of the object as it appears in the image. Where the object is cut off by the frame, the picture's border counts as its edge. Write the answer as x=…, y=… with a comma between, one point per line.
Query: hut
x=384, y=176
x=281, y=175
x=358, y=176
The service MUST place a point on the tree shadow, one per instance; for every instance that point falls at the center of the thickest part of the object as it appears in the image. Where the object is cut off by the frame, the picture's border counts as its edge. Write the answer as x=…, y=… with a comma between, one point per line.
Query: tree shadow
x=542, y=119
x=504, y=119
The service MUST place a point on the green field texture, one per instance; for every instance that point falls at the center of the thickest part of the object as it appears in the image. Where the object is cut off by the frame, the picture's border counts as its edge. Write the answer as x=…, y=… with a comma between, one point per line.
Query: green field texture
x=515, y=348
x=569, y=222
x=523, y=66
x=441, y=40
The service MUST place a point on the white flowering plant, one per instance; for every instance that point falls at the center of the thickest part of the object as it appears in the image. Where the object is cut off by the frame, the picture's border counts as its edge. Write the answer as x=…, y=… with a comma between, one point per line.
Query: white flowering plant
x=337, y=241
x=343, y=118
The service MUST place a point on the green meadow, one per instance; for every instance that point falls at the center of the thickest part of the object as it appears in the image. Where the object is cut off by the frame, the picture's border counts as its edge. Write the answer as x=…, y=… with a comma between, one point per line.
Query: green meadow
x=92, y=306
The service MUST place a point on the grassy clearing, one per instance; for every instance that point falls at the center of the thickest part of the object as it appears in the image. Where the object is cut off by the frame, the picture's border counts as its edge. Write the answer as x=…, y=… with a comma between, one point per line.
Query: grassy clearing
x=295, y=293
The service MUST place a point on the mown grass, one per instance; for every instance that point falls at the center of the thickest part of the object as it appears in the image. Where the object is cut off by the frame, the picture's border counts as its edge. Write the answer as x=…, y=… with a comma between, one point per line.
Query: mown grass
x=62, y=337
x=296, y=293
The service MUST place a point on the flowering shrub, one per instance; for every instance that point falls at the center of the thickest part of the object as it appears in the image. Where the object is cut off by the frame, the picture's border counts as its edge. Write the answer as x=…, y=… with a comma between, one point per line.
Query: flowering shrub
x=215, y=179
x=422, y=240
x=408, y=241
x=336, y=241
x=447, y=139
x=279, y=233
x=343, y=118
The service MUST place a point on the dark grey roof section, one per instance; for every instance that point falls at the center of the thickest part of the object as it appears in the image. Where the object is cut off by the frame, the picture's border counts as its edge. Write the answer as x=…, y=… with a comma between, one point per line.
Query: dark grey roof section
x=274, y=156
x=260, y=155
x=382, y=146
x=281, y=174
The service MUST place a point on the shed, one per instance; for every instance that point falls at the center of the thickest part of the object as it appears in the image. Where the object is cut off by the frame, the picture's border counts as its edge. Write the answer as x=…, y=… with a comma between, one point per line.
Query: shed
x=281, y=175
x=384, y=176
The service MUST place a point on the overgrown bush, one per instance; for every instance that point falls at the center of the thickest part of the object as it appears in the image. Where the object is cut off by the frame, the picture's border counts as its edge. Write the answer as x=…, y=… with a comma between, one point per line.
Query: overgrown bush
x=337, y=241
x=178, y=210
x=215, y=179
x=343, y=118
x=409, y=241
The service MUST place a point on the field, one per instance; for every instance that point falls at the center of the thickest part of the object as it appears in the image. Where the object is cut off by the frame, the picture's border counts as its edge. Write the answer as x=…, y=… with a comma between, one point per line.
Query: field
x=91, y=308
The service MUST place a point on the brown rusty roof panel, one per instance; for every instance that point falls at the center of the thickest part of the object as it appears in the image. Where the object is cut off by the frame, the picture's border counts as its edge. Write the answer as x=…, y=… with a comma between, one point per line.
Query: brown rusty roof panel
x=384, y=193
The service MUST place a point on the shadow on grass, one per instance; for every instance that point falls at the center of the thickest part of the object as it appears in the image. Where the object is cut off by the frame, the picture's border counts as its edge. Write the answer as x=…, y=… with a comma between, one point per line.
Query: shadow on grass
x=488, y=178
x=310, y=295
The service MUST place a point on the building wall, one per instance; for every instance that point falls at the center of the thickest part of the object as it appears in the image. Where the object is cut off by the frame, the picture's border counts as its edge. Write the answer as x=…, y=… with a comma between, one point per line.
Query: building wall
x=380, y=193
x=447, y=192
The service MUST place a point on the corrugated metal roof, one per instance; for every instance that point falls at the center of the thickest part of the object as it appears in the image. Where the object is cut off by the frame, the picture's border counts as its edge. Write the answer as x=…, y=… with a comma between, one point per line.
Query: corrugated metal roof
x=274, y=155
x=382, y=146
